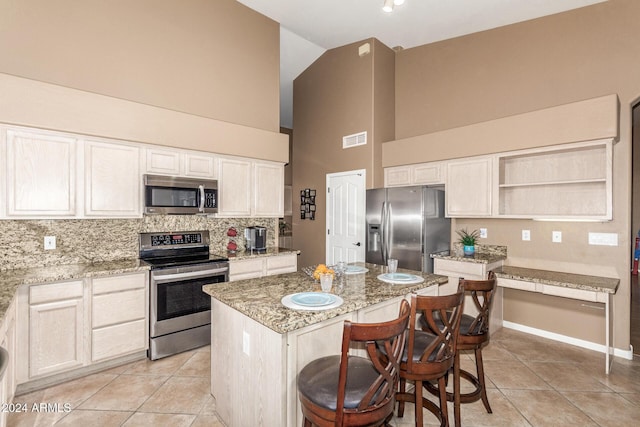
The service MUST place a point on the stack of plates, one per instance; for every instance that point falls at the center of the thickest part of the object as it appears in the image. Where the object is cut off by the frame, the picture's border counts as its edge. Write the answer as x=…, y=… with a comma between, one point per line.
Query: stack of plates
x=355, y=269
x=312, y=301
x=401, y=278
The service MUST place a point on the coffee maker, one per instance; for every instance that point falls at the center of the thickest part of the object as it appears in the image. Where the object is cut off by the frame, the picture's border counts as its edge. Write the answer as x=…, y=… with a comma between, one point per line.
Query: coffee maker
x=256, y=238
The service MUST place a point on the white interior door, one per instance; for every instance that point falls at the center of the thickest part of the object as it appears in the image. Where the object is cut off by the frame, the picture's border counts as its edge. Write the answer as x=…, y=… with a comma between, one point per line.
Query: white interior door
x=345, y=216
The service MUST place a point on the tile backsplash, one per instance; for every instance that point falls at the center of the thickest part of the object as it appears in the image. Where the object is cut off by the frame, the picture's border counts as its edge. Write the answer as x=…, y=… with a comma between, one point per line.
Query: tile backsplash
x=80, y=241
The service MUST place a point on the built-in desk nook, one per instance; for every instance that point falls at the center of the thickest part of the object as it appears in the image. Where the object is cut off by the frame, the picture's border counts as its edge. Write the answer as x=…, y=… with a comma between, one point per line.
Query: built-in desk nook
x=593, y=289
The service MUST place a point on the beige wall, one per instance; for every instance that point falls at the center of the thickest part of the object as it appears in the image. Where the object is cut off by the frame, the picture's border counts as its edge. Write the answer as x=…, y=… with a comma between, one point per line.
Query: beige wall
x=216, y=59
x=338, y=95
x=559, y=59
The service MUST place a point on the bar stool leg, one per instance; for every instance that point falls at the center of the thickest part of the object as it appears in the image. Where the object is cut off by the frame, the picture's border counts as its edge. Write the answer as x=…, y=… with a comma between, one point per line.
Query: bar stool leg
x=456, y=389
x=483, y=387
x=418, y=403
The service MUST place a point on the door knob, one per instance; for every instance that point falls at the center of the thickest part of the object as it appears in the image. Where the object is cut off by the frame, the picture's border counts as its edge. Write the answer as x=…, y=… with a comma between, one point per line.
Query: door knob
x=357, y=244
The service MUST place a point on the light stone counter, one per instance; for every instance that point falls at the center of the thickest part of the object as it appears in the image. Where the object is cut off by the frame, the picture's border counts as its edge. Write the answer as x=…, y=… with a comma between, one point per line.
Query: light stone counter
x=484, y=254
x=607, y=285
x=260, y=345
x=259, y=299
x=10, y=280
x=258, y=254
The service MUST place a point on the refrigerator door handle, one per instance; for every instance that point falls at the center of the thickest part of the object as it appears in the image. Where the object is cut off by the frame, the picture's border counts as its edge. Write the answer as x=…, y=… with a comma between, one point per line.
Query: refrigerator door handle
x=389, y=230
x=383, y=228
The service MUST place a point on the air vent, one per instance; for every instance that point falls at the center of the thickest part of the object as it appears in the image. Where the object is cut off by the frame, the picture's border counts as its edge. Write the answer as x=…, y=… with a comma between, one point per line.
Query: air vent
x=354, y=140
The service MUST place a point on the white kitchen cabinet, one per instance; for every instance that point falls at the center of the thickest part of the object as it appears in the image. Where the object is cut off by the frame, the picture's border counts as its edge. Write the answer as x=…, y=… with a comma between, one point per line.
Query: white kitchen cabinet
x=119, y=315
x=268, y=187
x=572, y=181
x=234, y=187
x=112, y=180
x=56, y=328
x=397, y=176
x=469, y=187
x=472, y=271
x=252, y=268
x=249, y=188
x=176, y=162
x=162, y=161
x=40, y=174
x=8, y=342
x=430, y=173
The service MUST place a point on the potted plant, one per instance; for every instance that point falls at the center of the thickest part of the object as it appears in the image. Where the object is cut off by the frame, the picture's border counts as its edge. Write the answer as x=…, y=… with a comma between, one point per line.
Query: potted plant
x=468, y=240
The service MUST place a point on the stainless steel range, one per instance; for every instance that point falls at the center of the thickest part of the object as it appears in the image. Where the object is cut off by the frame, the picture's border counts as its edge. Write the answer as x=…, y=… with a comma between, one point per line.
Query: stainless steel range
x=180, y=313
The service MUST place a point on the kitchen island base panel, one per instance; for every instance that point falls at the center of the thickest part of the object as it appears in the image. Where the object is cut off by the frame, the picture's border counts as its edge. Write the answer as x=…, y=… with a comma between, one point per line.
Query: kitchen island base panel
x=248, y=362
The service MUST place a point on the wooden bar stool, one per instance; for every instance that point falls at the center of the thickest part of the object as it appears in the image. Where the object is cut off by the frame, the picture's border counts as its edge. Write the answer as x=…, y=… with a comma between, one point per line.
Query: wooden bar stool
x=430, y=352
x=346, y=390
x=474, y=335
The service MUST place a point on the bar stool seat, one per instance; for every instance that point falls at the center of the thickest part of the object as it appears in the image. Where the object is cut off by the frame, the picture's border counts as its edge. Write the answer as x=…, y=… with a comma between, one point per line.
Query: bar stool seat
x=350, y=390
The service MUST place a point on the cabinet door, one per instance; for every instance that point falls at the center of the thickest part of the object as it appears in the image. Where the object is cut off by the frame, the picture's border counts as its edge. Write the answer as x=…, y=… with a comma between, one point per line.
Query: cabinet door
x=428, y=173
x=397, y=176
x=246, y=269
x=112, y=180
x=8, y=342
x=199, y=165
x=55, y=337
x=234, y=186
x=468, y=187
x=41, y=174
x=163, y=162
x=282, y=264
x=268, y=185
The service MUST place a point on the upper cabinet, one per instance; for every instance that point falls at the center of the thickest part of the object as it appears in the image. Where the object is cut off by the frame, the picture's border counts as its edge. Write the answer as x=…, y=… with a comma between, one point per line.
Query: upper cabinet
x=468, y=187
x=431, y=173
x=112, y=180
x=40, y=173
x=177, y=162
x=571, y=181
x=250, y=188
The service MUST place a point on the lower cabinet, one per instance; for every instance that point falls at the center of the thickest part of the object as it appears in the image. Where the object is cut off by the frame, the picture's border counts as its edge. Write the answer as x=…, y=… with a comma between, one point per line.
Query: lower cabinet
x=68, y=325
x=471, y=271
x=56, y=328
x=8, y=343
x=252, y=268
x=119, y=316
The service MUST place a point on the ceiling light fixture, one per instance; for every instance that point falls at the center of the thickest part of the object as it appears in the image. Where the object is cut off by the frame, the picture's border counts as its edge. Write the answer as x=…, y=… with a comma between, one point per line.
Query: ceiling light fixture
x=388, y=6
x=398, y=2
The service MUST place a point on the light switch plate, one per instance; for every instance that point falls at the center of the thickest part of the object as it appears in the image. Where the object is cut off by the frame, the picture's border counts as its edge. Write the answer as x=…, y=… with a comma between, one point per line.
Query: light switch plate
x=603, y=239
x=556, y=236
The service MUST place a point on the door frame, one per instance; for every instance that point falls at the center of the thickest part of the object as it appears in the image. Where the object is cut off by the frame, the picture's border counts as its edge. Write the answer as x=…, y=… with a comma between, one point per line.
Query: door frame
x=362, y=173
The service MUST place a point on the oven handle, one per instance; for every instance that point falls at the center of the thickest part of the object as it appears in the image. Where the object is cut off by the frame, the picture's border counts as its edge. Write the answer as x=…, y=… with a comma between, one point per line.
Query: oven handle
x=162, y=278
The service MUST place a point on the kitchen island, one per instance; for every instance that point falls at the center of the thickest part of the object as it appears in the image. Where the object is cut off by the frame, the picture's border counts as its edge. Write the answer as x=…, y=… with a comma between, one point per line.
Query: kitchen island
x=258, y=346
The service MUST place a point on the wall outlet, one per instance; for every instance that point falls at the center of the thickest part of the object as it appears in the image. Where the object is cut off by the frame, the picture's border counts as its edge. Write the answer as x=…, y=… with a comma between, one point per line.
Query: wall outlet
x=526, y=235
x=556, y=236
x=246, y=343
x=483, y=233
x=49, y=242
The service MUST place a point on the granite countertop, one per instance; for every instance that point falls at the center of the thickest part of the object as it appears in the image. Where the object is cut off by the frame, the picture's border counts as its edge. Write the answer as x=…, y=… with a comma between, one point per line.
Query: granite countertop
x=260, y=298
x=569, y=280
x=484, y=254
x=257, y=254
x=10, y=280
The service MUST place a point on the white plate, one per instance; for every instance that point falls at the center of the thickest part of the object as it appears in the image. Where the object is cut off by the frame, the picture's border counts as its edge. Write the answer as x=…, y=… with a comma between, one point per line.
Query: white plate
x=355, y=269
x=287, y=302
x=313, y=299
x=400, y=278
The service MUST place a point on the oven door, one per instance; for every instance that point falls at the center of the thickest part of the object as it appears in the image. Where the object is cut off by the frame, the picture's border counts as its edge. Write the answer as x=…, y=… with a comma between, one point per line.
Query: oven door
x=177, y=301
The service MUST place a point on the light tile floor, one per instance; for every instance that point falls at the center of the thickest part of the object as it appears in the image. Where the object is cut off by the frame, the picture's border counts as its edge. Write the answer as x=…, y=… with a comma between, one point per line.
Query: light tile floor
x=532, y=382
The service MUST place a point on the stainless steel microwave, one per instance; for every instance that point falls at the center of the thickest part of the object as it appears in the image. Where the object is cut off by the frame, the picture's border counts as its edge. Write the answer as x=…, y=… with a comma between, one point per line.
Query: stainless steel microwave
x=179, y=196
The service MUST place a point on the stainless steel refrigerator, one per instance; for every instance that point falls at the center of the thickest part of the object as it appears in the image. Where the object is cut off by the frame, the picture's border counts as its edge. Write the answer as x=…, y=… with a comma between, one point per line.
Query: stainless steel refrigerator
x=408, y=224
